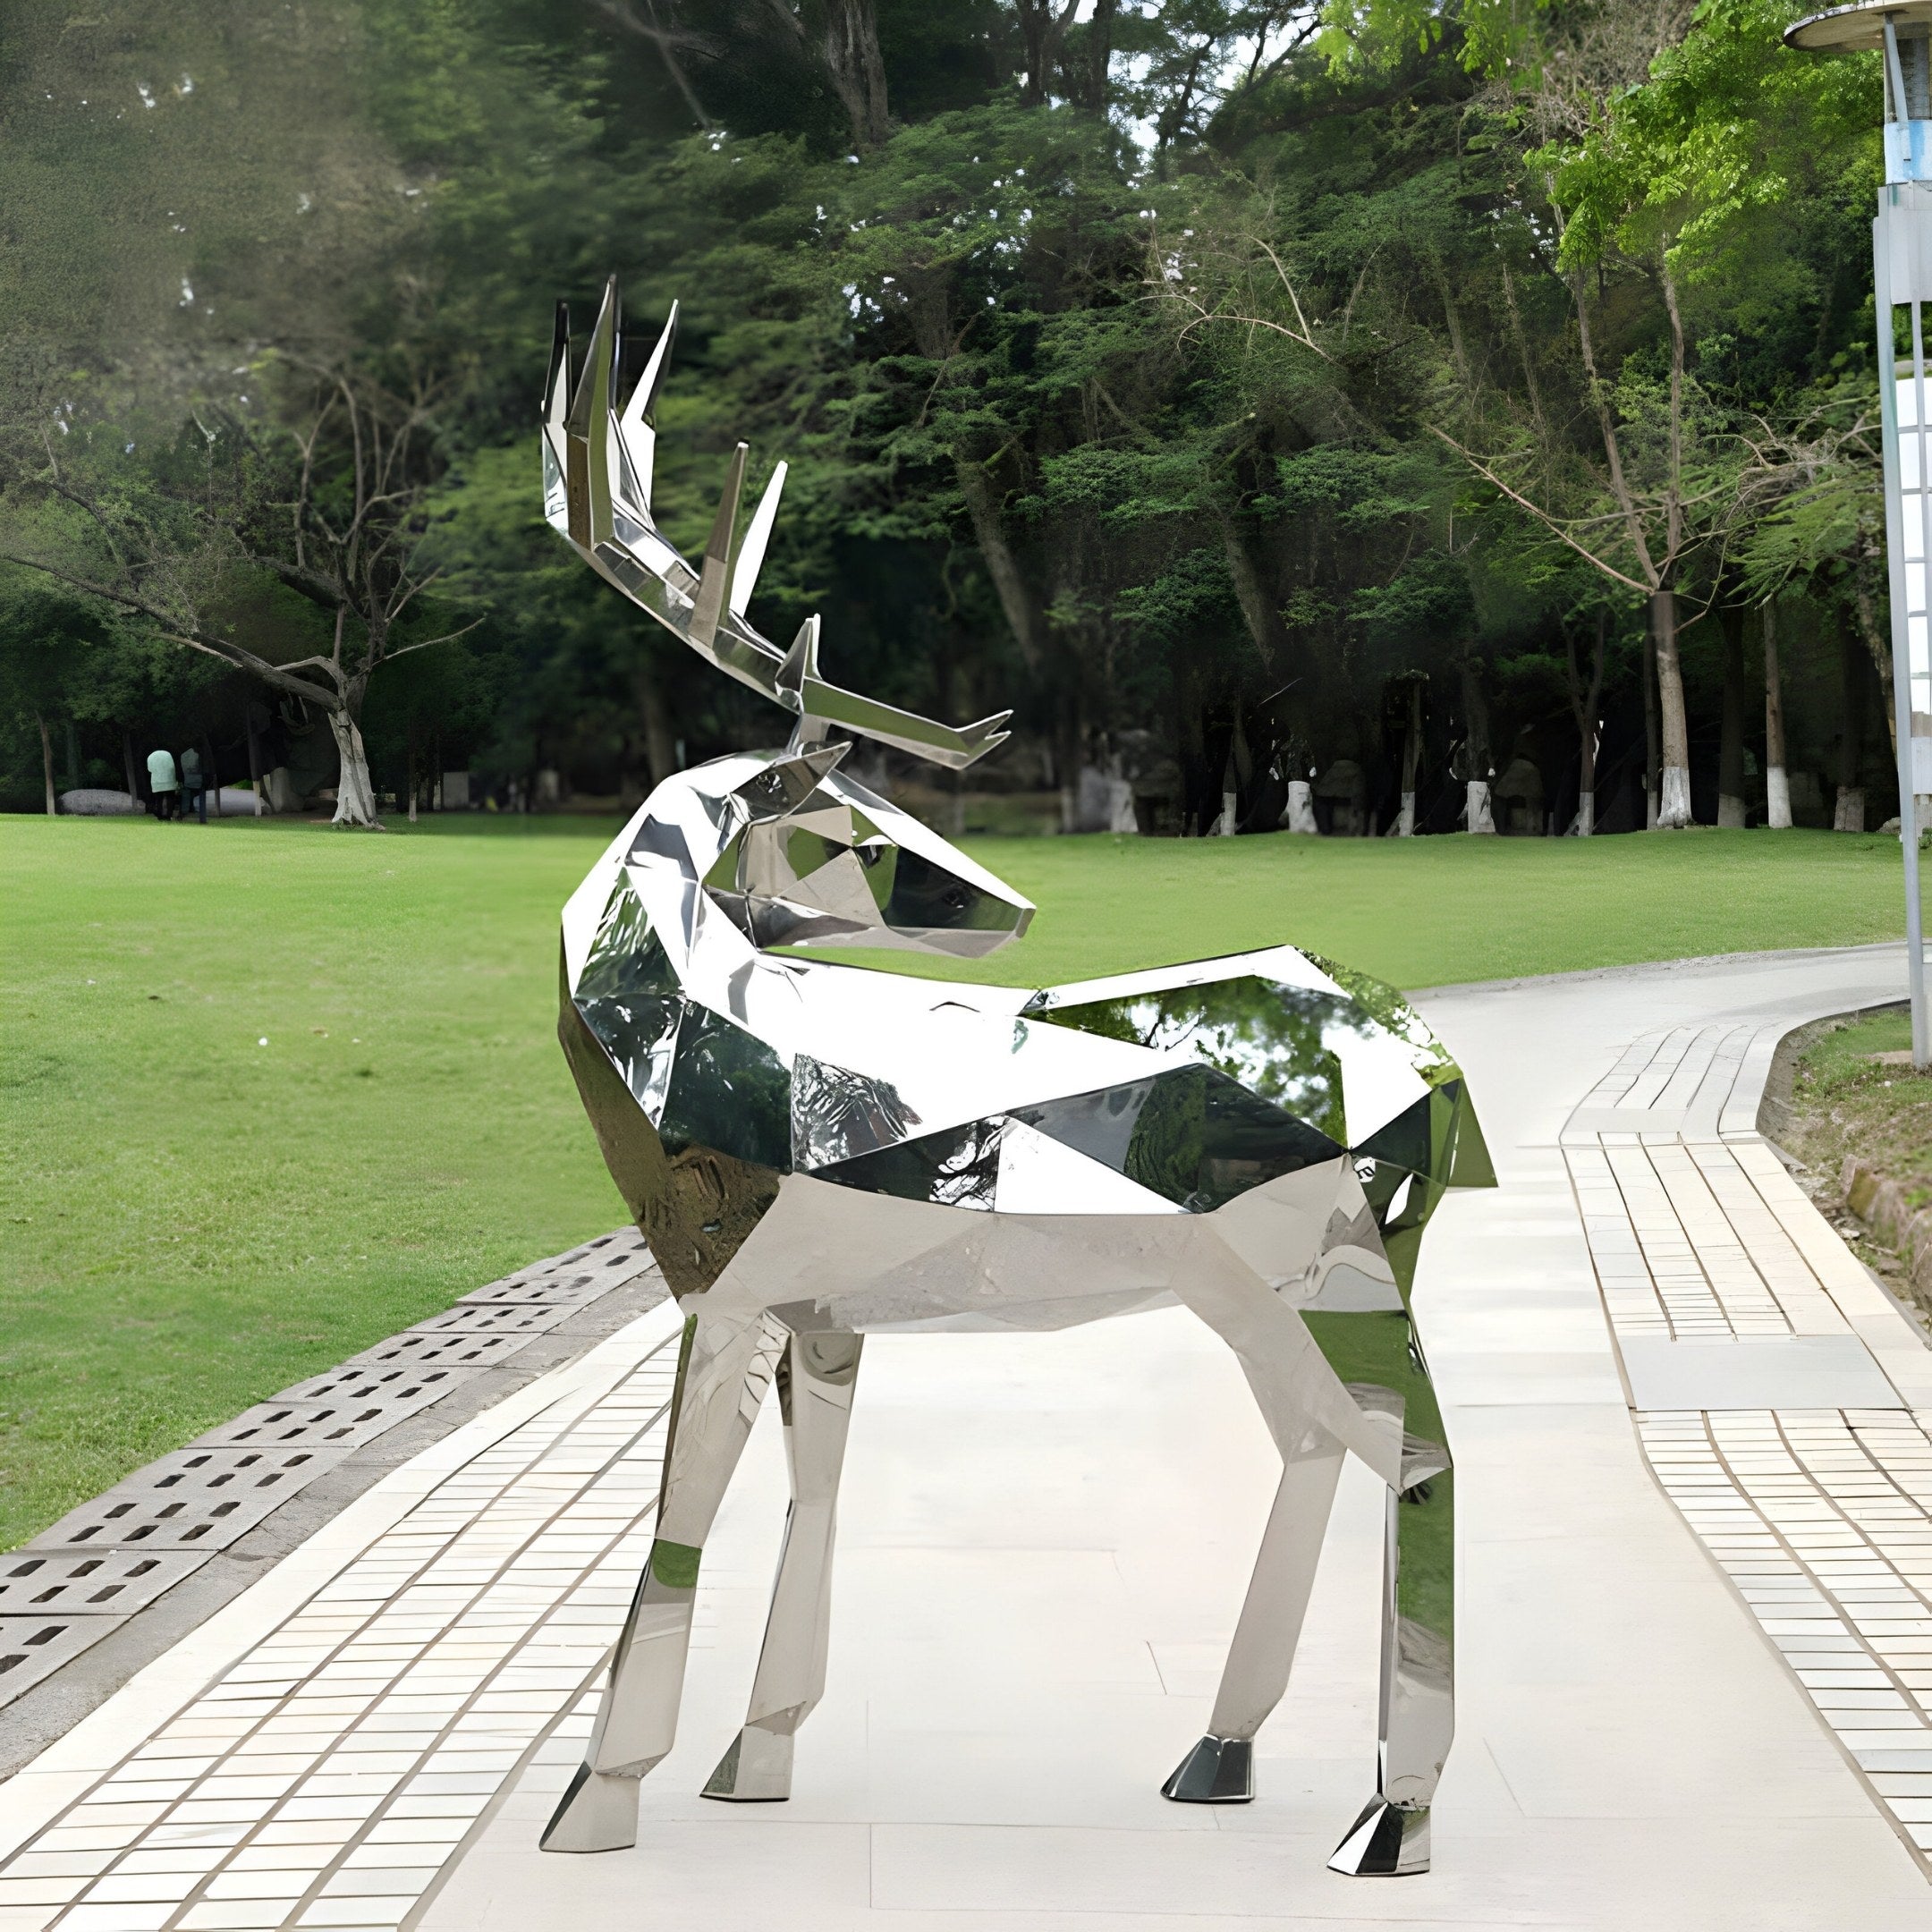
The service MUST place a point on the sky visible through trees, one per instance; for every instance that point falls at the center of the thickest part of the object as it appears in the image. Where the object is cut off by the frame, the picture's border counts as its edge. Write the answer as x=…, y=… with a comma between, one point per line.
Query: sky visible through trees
x=1387, y=393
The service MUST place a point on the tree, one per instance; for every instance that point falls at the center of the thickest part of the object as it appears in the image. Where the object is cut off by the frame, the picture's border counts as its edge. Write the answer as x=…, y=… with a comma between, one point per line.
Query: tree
x=331, y=509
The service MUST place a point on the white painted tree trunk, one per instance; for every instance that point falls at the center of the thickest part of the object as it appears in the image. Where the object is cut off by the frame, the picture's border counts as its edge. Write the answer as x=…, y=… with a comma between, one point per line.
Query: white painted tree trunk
x=1405, y=818
x=1777, y=784
x=1848, y=815
x=1729, y=811
x=1586, y=815
x=1230, y=813
x=355, y=797
x=1674, y=802
x=1475, y=814
x=1674, y=807
x=1301, y=807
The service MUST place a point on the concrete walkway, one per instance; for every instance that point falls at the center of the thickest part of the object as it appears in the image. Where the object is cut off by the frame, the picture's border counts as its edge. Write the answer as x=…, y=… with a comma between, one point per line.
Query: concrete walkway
x=1688, y=1638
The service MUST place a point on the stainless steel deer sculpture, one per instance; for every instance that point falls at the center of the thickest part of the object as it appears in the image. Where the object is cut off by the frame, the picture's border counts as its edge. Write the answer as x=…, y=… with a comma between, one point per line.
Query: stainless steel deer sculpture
x=815, y=1152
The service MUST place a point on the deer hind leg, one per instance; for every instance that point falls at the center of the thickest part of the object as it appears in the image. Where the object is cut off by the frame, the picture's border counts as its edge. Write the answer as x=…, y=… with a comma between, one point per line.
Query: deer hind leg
x=723, y=1372
x=817, y=1377
x=1391, y=1838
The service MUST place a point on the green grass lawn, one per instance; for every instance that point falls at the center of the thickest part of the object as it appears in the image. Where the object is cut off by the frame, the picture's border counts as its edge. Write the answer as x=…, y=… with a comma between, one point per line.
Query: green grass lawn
x=194, y=1219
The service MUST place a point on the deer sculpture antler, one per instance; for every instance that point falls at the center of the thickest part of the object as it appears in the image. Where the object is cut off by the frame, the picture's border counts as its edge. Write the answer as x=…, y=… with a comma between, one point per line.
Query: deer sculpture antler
x=597, y=494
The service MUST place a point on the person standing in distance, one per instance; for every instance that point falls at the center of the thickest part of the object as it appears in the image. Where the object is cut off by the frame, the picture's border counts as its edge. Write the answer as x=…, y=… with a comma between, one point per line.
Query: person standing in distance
x=163, y=783
x=194, y=785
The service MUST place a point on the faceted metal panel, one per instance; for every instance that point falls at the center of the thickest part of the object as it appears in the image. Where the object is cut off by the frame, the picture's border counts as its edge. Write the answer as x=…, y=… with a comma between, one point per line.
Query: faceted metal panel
x=814, y=1153
x=106, y=1582
x=194, y=1499
x=33, y=1648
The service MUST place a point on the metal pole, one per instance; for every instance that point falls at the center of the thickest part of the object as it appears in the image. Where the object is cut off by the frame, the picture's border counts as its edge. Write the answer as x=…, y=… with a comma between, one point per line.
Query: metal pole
x=1902, y=665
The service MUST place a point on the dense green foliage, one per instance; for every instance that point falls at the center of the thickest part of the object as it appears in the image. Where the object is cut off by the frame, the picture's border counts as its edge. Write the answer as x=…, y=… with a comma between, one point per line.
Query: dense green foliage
x=1192, y=377
x=195, y=1220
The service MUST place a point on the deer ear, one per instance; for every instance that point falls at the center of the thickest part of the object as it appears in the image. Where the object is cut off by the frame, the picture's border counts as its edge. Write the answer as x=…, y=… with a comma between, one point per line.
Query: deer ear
x=556, y=386
x=786, y=782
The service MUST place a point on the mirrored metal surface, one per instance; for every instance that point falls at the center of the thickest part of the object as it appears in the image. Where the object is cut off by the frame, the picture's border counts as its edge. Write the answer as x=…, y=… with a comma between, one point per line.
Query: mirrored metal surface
x=815, y=1152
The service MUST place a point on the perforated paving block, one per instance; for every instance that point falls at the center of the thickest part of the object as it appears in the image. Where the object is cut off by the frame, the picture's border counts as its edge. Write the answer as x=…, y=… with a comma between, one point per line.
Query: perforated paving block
x=573, y=1288
x=35, y=1646
x=495, y=1317
x=457, y=1349
x=107, y=1582
x=347, y=1419
x=199, y=1499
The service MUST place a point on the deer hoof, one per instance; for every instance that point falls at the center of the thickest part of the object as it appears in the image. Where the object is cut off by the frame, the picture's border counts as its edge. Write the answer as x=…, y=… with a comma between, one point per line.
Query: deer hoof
x=1386, y=1841
x=756, y=1770
x=596, y=1813
x=1216, y=1771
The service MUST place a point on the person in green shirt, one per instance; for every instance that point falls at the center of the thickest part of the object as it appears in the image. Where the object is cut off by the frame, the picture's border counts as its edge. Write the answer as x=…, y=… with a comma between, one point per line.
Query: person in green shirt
x=163, y=783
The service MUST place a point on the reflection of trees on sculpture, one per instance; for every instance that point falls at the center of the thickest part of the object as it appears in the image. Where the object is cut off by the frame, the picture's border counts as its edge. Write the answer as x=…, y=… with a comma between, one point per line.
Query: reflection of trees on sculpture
x=1269, y=1036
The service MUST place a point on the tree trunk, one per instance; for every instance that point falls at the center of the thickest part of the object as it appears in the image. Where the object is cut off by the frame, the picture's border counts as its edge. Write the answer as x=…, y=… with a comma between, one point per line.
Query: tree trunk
x=355, y=796
x=660, y=736
x=851, y=52
x=1848, y=813
x=1100, y=55
x=1476, y=813
x=1476, y=717
x=1583, y=707
x=254, y=756
x=1411, y=759
x=1041, y=32
x=1477, y=816
x=1777, y=784
x=1016, y=600
x=46, y=766
x=1674, y=790
x=1730, y=804
x=1879, y=645
x=1650, y=729
x=127, y=766
x=1264, y=622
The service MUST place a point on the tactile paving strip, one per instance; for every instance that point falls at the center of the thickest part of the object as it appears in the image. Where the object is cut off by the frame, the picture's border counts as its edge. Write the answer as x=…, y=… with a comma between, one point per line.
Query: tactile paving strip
x=1821, y=1518
x=35, y=1646
x=194, y=1499
x=108, y=1582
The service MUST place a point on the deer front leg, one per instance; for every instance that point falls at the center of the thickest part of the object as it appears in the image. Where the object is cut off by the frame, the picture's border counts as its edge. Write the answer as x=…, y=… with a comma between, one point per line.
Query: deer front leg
x=722, y=1373
x=1220, y=1768
x=817, y=1377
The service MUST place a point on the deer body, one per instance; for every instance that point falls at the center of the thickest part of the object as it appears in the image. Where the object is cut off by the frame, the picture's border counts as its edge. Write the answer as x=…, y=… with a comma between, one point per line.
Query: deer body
x=815, y=1152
